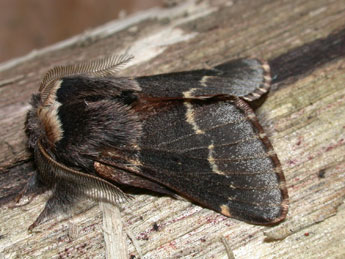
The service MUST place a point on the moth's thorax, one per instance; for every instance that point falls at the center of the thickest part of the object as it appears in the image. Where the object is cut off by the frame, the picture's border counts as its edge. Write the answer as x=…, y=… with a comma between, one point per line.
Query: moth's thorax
x=47, y=113
x=51, y=123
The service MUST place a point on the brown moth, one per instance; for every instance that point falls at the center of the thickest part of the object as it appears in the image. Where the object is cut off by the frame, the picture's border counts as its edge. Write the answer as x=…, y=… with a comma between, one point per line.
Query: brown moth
x=189, y=133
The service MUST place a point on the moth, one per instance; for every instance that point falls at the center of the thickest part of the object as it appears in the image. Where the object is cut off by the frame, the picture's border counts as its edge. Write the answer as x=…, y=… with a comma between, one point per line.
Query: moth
x=188, y=133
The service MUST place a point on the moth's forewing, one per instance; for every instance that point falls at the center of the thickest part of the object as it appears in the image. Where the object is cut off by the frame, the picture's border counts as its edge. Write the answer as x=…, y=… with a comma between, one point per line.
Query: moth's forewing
x=215, y=152
x=203, y=142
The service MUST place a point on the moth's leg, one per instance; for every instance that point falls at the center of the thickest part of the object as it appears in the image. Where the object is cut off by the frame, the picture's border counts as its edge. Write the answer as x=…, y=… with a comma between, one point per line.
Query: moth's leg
x=32, y=188
x=44, y=214
x=62, y=199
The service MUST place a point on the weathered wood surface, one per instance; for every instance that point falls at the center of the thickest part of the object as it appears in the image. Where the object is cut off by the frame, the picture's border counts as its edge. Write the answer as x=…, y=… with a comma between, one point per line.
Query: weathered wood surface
x=304, y=115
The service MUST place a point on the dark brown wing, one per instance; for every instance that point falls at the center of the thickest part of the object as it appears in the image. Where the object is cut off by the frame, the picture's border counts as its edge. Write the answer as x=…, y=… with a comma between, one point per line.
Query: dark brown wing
x=213, y=152
x=246, y=78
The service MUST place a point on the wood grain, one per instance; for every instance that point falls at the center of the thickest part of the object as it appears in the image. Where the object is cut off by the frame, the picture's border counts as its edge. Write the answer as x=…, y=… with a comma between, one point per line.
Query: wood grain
x=303, y=115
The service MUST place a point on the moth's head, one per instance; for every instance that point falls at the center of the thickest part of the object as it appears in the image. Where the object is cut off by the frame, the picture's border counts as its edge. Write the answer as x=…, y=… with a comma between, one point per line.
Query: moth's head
x=33, y=127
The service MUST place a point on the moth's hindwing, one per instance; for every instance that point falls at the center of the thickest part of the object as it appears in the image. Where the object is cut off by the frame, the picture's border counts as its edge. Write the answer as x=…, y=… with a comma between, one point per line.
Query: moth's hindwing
x=246, y=78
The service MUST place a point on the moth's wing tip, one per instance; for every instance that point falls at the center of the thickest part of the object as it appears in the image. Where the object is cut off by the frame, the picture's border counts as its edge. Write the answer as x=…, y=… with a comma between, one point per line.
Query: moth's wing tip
x=258, y=219
x=278, y=217
x=248, y=78
x=260, y=215
x=265, y=85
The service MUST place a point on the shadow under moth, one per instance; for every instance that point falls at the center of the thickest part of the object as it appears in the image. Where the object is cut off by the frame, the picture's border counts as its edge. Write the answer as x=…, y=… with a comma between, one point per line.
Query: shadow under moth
x=189, y=133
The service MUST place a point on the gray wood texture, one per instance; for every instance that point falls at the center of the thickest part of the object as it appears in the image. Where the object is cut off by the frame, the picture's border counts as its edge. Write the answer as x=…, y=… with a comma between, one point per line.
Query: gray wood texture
x=304, y=116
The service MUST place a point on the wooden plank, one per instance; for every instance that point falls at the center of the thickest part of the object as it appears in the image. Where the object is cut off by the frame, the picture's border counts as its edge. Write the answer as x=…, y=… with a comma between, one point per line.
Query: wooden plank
x=303, y=115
